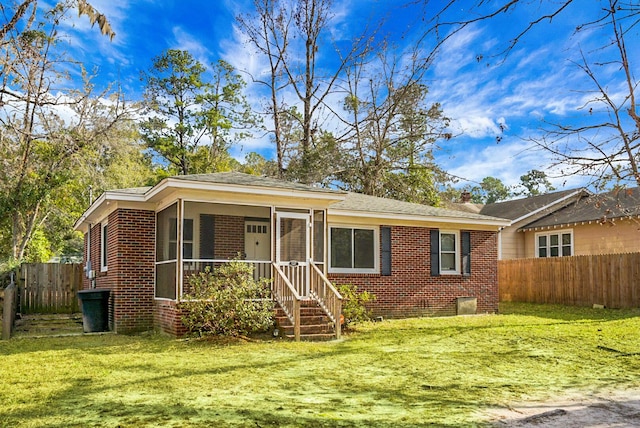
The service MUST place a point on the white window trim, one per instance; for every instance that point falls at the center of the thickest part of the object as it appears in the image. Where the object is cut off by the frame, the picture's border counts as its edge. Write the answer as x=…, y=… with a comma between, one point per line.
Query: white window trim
x=548, y=234
x=104, y=246
x=458, y=250
x=376, y=249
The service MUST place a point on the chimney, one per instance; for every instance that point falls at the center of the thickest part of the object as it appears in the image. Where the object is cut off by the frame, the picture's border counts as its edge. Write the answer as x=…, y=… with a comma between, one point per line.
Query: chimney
x=465, y=197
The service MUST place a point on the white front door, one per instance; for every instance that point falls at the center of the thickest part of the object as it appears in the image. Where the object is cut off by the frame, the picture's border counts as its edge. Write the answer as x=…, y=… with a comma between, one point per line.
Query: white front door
x=256, y=246
x=292, y=249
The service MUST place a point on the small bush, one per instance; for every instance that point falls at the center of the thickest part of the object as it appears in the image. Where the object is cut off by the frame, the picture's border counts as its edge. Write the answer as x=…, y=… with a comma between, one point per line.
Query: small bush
x=354, y=304
x=227, y=301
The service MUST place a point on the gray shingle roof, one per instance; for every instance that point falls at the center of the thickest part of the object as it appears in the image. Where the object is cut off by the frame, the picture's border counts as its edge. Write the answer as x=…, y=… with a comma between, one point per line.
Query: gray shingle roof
x=133, y=190
x=614, y=204
x=372, y=204
x=518, y=208
x=241, y=179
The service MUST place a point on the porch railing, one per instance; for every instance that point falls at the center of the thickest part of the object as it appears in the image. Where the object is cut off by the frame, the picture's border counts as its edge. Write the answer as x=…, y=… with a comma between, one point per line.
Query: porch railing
x=329, y=299
x=288, y=298
x=297, y=275
x=261, y=269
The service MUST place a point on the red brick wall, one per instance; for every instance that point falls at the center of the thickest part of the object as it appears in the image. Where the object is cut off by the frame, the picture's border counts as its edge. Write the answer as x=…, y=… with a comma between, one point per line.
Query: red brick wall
x=130, y=273
x=167, y=318
x=229, y=236
x=412, y=291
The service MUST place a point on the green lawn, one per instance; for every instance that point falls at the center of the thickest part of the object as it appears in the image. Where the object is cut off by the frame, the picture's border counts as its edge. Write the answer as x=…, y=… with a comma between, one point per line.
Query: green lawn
x=414, y=372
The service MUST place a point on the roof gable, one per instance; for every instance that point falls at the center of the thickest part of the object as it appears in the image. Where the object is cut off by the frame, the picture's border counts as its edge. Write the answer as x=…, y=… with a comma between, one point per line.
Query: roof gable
x=520, y=209
x=619, y=203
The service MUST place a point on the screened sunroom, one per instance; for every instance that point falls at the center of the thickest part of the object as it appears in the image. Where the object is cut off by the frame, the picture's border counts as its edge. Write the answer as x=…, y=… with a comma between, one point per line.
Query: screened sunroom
x=280, y=241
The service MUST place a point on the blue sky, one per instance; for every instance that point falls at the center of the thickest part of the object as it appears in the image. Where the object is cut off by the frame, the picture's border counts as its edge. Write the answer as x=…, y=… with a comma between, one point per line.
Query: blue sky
x=485, y=98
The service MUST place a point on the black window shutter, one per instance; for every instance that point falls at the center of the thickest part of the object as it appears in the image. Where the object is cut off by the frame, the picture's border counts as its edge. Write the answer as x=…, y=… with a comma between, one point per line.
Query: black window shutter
x=207, y=222
x=385, y=240
x=466, y=253
x=435, y=252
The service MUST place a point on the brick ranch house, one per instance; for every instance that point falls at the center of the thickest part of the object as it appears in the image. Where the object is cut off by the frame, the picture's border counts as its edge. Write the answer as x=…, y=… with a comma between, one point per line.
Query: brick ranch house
x=143, y=243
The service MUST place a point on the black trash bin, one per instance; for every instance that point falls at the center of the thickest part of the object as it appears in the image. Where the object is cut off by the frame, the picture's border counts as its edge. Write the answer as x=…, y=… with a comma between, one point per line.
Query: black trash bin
x=95, y=309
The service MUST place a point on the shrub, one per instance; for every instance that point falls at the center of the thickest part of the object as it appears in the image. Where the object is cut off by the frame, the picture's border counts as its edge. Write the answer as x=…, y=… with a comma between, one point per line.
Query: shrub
x=227, y=301
x=354, y=304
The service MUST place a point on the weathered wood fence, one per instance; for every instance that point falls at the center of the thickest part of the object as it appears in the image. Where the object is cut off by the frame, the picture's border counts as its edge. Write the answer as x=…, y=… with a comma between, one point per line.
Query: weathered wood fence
x=612, y=280
x=50, y=287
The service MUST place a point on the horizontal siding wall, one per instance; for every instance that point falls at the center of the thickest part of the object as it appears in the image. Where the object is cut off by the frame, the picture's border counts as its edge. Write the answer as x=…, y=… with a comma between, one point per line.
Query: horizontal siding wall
x=612, y=280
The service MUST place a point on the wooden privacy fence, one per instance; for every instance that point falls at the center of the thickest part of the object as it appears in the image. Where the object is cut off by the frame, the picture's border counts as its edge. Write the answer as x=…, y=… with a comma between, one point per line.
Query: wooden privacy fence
x=612, y=280
x=50, y=287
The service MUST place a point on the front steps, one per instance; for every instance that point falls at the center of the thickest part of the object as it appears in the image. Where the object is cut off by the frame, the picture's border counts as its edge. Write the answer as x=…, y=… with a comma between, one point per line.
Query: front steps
x=315, y=325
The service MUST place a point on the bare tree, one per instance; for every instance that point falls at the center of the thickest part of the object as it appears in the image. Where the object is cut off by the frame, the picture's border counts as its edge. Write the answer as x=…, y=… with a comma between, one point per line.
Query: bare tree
x=291, y=34
x=604, y=142
x=391, y=128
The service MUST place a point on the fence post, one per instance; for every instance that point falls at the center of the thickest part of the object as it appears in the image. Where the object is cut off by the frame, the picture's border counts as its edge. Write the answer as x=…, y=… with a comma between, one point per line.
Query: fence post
x=9, y=309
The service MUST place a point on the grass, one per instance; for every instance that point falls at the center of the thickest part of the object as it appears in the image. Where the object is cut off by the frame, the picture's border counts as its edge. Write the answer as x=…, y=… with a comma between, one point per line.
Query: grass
x=415, y=372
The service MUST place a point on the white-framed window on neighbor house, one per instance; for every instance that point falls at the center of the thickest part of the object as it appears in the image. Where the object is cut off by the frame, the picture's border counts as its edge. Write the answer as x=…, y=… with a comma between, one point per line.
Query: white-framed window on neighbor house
x=554, y=244
x=354, y=249
x=104, y=246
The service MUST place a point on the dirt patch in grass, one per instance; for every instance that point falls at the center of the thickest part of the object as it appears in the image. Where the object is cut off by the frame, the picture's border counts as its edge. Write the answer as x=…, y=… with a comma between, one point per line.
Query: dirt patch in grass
x=613, y=408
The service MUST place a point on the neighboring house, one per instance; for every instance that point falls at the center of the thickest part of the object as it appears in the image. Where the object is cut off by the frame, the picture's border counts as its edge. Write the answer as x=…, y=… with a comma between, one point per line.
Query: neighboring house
x=144, y=243
x=569, y=222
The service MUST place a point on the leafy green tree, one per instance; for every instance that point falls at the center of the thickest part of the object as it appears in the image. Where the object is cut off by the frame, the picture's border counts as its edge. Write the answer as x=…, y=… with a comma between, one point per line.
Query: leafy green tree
x=187, y=112
x=535, y=183
x=256, y=164
x=491, y=190
x=45, y=137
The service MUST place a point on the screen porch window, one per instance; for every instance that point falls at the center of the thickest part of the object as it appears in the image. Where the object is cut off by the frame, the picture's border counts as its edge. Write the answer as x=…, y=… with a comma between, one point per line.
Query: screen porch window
x=353, y=250
x=166, y=250
x=187, y=238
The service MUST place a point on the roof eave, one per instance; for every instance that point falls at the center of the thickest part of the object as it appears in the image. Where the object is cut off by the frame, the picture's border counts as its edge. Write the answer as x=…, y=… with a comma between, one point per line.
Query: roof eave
x=420, y=218
x=244, y=189
x=578, y=223
x=107, y=197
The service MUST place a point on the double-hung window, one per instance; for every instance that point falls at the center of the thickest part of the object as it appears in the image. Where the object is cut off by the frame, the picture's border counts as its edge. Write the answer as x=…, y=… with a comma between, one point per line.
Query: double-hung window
x=450, y=252
x=354, y=249
x=554, y=244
